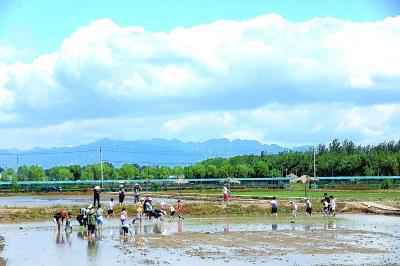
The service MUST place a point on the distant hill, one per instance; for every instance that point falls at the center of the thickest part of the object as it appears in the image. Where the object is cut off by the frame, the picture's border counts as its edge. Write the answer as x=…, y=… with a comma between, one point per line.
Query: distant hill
x=143, y=152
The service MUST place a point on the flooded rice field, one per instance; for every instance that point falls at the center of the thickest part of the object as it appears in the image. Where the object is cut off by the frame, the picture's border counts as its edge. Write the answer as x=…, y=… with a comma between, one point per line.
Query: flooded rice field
x=56, y=200
x=345, y=240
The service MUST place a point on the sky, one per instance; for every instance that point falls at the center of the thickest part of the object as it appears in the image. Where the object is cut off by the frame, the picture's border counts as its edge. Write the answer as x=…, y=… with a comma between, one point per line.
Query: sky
x=276, y=71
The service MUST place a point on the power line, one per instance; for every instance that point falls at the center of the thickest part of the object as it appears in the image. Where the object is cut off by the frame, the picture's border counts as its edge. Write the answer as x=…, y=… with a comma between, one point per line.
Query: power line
x=44, y=153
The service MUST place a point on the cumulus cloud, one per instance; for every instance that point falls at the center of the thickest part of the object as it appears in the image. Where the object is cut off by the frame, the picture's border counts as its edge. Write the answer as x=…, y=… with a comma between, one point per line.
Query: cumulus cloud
x=267, y=68
x=293, y=125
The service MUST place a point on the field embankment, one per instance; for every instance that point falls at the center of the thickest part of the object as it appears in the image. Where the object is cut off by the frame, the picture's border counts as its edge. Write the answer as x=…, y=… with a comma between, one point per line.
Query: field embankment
x=201, y=209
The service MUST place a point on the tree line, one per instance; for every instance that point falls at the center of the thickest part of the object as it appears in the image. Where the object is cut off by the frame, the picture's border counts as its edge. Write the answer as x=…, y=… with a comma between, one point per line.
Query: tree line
x=338, y=158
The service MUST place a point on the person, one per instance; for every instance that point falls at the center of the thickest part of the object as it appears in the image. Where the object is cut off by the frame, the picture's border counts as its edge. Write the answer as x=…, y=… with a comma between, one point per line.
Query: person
x=225, y=190
x=157, y=213
x=59, y=218
x=294, y=208
x=179, y=209
x=308, y=207
x=172, y=211
x=68, y=226
x=79, y=217
x=136, y=192
x=328, y=201
x=82, y=218
x=110, y=209
x=139, y=209
x=147, y=207
x=91, y=221
x=121, y=195
x=99, y=218
x=325, y=207
x=274, y=206
x=96, y=196
x=333, y=206
x=124, y=224
x=163, y=206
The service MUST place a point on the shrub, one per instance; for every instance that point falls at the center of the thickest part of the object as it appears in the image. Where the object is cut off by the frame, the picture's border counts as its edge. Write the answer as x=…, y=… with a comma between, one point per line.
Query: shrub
x=387, y=183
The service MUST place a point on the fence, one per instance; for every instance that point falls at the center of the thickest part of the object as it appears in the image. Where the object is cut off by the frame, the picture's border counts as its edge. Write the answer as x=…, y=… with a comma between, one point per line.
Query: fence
x=359, y=182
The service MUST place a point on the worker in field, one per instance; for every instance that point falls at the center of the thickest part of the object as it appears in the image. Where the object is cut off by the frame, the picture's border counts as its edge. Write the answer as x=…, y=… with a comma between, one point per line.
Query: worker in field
x=121, y=195
x=294, y=208
x=136, y=192
x=60, y=217
x=226, y=191
x=308, y=207
x=124, y=222
x=92, y=222
x=110, y=208
x=139, y=210
x=82, y=218
x=332, y=210
x=274, y=206
x=179, y=209
x=147, y=207
x=96, y=196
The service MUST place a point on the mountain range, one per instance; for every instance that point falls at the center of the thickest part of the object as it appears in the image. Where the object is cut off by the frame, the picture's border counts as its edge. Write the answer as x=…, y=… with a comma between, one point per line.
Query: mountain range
x=143, y=152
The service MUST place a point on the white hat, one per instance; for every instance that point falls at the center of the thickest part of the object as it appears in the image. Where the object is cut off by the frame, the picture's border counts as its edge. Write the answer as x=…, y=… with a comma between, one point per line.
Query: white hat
x=97, y=187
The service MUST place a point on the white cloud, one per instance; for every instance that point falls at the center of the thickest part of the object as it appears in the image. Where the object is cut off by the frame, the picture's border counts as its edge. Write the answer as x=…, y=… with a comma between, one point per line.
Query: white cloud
x=253, y=78
x=291, y=125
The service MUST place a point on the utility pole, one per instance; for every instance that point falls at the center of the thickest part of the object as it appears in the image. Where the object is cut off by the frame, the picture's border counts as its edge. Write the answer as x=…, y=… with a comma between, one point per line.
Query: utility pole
x=17, y=161
x=315, y=170
x=16, y=171
x=101, y=167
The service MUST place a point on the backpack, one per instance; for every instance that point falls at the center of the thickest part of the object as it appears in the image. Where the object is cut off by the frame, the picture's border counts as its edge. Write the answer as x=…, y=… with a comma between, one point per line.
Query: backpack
x=92, y=218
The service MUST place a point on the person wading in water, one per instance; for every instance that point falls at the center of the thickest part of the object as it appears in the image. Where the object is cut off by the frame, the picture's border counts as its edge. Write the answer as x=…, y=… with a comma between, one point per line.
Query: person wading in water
x=96, y=196
x=121, y=195
x=136, y=192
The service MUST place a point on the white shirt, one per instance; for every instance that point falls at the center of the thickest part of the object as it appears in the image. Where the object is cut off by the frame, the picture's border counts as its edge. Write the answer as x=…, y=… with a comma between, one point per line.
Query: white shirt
x=110, y=205
x=225, y=190
x=333, y=204
x=124, y=216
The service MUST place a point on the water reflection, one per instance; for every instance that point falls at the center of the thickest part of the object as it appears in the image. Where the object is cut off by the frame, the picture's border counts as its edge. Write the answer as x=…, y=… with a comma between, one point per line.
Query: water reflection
x=307, y=227
x=68, y=237
x=60, y=238
x=330, y=225
x=179, y=226
x=92, y=249
x=226, y=228
x=274, y=227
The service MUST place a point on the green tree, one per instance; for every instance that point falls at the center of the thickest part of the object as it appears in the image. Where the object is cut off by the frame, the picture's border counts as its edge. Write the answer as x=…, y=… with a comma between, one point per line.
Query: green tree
x=261, y=169
x=31, y=173
x=60, y=173
x=128, y=171
x=8, y=174
x=212, y=171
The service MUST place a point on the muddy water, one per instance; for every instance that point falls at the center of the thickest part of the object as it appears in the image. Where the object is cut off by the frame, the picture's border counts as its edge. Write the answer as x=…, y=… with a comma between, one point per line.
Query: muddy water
x=346, y=240
x=64, y=200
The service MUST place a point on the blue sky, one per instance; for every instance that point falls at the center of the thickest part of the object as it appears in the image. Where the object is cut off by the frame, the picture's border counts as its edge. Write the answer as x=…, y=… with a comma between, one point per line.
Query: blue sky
x=41, y=25
x=275, y=71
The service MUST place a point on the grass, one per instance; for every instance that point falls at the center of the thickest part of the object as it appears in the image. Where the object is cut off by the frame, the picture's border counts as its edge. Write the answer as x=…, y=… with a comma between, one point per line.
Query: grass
x=16, y=215
x=340, y=195
x=298, y=192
